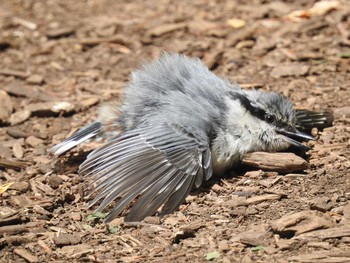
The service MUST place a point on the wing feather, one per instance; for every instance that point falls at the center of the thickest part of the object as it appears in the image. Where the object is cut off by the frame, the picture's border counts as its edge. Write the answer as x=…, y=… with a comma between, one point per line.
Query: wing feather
x=155, y=196
x=207, y=165
x=151, y=184
x=153, y=166
x=122, y=169
x=122, y=181
x=176, y=199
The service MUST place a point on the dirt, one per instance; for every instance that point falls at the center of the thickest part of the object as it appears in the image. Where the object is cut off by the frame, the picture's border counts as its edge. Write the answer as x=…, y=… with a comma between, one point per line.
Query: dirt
x=59, y=60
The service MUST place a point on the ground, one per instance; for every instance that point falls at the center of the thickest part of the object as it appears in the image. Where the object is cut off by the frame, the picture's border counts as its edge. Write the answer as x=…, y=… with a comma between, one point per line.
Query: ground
x=59, y=60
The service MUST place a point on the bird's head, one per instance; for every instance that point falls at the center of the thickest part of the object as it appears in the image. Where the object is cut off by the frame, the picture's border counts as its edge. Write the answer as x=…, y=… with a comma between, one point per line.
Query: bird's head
x=275, y=119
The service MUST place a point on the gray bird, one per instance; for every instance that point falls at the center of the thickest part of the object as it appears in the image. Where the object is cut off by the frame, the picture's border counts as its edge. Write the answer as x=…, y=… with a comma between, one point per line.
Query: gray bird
x=178, y=124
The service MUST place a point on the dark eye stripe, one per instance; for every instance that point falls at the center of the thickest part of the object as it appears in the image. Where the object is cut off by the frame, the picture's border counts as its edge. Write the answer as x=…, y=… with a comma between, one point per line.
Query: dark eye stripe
x=246, y=103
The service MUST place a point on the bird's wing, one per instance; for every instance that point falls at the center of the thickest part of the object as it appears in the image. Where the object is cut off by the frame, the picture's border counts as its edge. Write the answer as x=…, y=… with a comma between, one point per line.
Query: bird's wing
x=154, y=166
x=306, y=120
x=80, y=136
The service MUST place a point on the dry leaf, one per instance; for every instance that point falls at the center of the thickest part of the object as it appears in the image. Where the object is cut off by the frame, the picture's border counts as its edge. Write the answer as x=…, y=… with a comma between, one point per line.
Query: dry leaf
x=4, y=187
x=236, y=23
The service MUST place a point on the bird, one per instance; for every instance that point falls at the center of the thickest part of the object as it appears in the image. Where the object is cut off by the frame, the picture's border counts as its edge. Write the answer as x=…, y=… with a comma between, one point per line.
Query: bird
x=177, y=126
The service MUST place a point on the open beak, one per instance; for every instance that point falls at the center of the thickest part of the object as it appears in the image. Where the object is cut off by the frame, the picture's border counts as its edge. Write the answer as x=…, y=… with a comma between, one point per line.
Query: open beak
x=294, y=136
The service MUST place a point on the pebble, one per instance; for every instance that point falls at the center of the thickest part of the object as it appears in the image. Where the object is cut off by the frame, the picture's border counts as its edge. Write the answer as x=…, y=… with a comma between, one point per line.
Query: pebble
x=34, y=141
x=45, y=109
x=89, y=102
x=55, y=181
x=20, y=186
x=66, y=239
x=35, y=79
x=154, y=220
x=18, y=150
x=19, y=117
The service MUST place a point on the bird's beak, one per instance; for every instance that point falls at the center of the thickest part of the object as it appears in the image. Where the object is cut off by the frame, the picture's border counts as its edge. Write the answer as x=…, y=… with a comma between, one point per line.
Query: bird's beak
x=294, y=136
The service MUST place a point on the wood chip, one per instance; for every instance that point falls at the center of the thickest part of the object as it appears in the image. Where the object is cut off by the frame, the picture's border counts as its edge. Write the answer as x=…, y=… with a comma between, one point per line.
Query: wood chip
x=5, y=151
x=76, y=250
x=154, y=220
x=46, y=109
x=44, y=246
x=262, y=198
x=244, y=33
x=346, y=211
x=14, y=73
x=19, y=117
x=17, y=88
x=279, y=162
x=322, y=204
x=343, y=112
x=96, y=41
x=20, y=186
x=213, y=60
x=18, y=240
x=55, y=181
x=335, y=232
x=34, y=141
x=25, y=23
x=10, y=218
x=171, y=221
x=289, y=70
x=15, y=132
x=60, y=32
x=66, y=239
x=337, y=256
x=236, y=23
x=165, y=28
x=6, y=106
x=301, y=222
x=286, y=244
x=198, y=27
x=23, y=253
x=16, y=165
x=35, y=79
x=192, y=227
x=89, y=102
x=252, y=237
x=324, y=245
x=13, y=230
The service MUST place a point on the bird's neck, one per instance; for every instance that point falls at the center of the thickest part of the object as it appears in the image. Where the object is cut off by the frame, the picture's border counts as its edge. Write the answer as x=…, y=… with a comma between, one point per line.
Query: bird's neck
x=240, y=133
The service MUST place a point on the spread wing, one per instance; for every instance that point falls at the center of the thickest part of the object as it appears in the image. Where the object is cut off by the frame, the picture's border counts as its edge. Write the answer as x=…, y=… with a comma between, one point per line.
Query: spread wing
x=153, y=167
x=306, y=120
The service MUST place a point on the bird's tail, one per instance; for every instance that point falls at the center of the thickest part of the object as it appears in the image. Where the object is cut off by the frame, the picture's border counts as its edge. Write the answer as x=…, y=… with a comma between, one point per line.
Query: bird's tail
x=306, y=120
x=89, y=131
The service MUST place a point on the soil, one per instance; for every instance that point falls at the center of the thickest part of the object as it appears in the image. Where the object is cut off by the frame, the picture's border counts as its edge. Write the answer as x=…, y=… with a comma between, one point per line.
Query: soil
x=59, y=60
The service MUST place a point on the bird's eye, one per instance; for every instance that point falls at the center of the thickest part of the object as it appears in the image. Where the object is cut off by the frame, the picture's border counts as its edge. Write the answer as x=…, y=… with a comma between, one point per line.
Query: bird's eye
x=269, y=118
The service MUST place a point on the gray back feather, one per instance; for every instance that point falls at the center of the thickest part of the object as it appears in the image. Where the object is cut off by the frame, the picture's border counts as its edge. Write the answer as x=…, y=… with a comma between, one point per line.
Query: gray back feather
x=174, y=89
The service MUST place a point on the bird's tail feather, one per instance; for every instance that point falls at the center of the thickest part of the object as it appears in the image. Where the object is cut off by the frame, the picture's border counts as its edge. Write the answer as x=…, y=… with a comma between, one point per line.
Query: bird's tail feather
x=87, y=132
x=306, y=120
